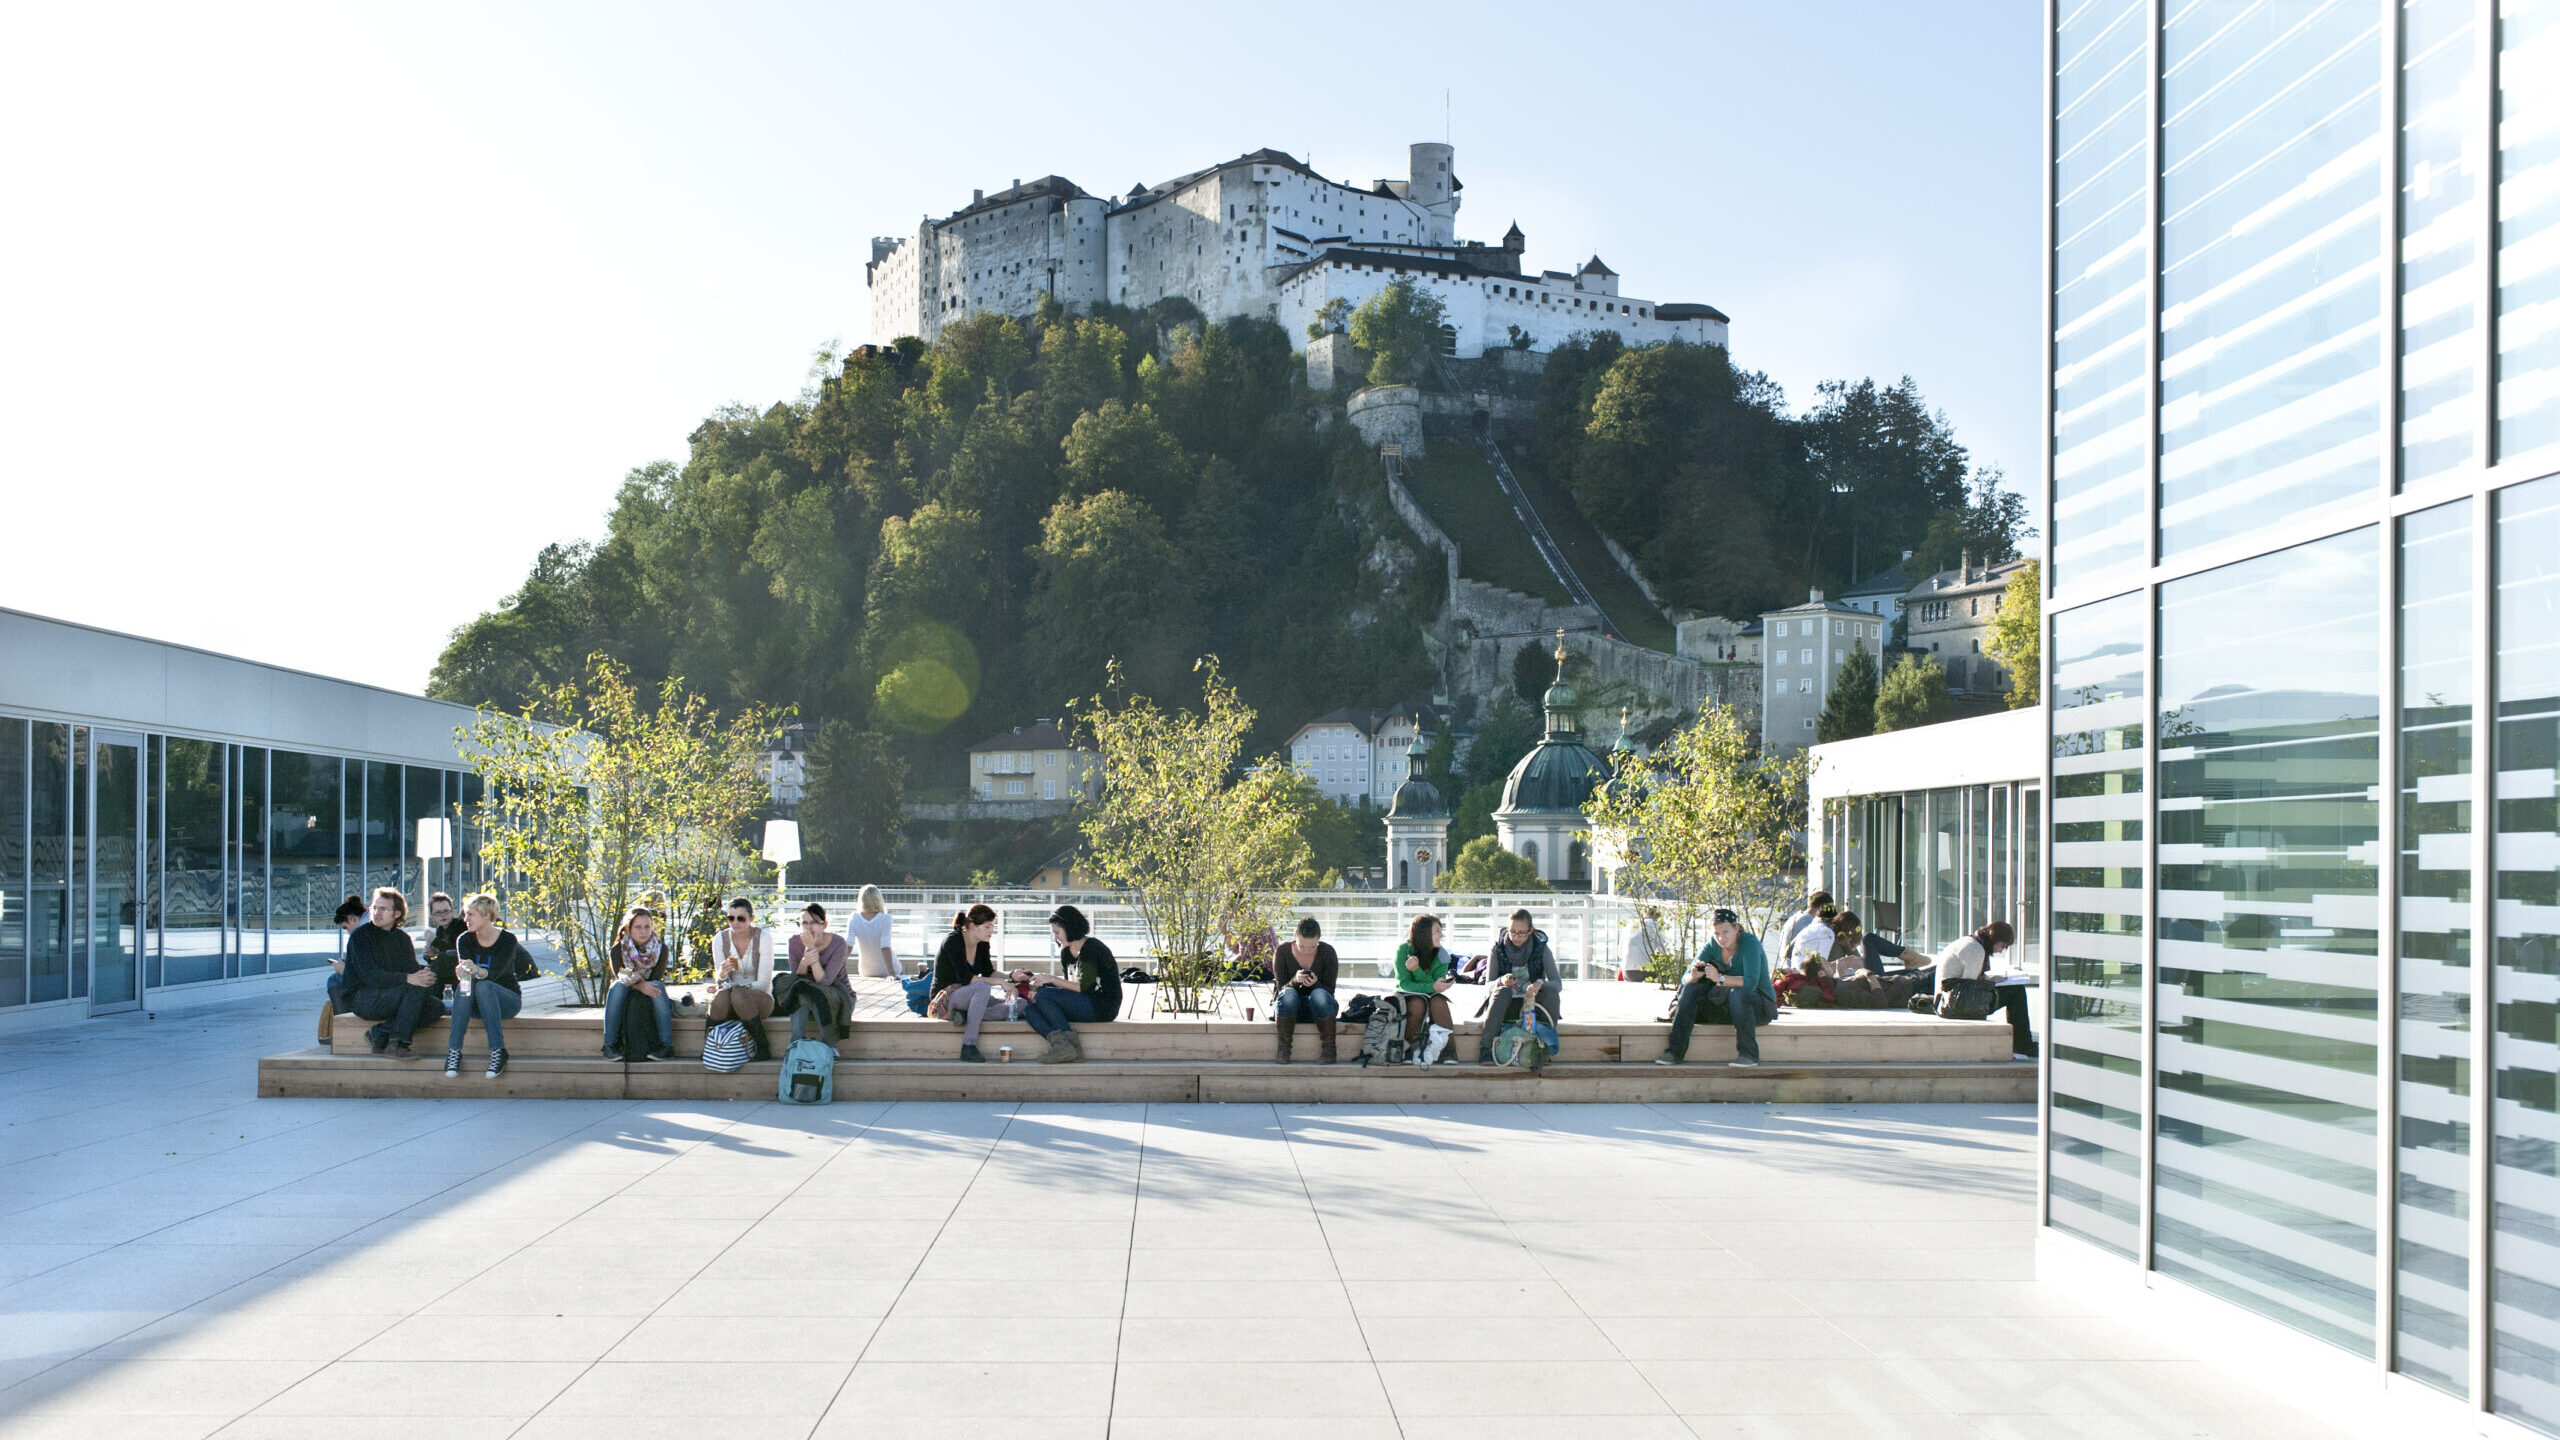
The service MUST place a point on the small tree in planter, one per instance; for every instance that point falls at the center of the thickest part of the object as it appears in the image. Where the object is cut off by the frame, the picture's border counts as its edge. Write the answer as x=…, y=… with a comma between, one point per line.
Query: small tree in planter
x=1206, y=848
x=1706, y=820
x=595, y=799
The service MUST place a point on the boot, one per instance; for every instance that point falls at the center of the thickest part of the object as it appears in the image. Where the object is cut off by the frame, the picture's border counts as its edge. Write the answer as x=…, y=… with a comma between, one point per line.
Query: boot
x=1324, y=1032
x=1064, y=1049
x=757, y=1044
x=1288, y=1031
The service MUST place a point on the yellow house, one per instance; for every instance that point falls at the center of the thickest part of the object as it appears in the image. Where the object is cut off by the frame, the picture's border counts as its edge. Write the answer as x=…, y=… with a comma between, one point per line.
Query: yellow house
x=1032, y=763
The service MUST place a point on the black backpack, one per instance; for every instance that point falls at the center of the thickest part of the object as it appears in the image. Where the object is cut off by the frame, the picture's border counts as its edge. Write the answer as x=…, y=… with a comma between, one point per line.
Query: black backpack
x=1968, y=1000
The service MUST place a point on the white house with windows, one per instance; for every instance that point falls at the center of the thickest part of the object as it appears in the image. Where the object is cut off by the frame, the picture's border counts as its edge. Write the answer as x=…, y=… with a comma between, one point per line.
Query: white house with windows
x=1356, y=755
x=1033, y=763
x=1802, y=647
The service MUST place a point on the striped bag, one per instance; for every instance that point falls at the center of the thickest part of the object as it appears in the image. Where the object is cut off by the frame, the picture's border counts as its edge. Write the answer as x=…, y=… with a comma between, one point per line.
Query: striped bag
x=725, y=1048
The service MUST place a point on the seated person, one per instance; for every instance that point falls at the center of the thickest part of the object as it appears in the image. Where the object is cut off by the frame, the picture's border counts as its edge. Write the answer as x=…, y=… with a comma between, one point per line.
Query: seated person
x=818, y=957
x=487, y=972
x=1970, y=957
x=351, y=913
x=1852, y=948
x=965, y=990
x=639, y=959
x=1302, y=979
x=1814, y=939
x=1730, y=980
x=1422, y=977
x=1087, y=989
x=1523, y=969
x=1800, y=985
x=741, y=967
x=385, y=982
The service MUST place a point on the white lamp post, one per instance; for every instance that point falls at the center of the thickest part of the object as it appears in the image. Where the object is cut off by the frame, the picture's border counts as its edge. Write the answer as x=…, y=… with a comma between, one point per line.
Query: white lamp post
x=435, y=842
x=782, y=846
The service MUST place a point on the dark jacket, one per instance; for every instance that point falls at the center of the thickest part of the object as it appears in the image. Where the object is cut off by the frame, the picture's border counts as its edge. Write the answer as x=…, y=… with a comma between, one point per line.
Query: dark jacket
x=509, y=964
x=379, y=959
x=1097, y=973
x=954, y=965
x=1285, y=966
x=1534, y=961
x=440, y=943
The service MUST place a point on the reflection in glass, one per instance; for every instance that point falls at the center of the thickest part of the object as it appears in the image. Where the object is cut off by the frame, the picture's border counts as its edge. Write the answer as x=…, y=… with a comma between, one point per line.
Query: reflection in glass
x=192, y=912
x=2096, y=971
x=2100, y=266
x=13, y=862
x=2528, y=226
x=249, y=857
x=2267, y=903
x=425, y=801
x=114, y=901
x=302, y=860
x=2440, y=152
x=2030, y=878
x=2271, y=264
x=49, y=861
x=76, y=954
x=1946, y=867
x=382, y=845
x=2524, y=1257
x=2434, y=1143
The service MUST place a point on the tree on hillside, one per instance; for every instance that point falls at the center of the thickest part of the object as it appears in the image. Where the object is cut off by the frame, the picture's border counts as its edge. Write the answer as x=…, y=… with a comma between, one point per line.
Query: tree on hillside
x=1532, y=671
x=1107, y=583
x=1985, y=528
x=1850, y=710
x=2017, y=630
x=1505, y=732
x=928, y=591
x=1126, y=448
x=853, y=808
x=1332, y=317
x=1483, y=865
x=1914, y=693
x=1400, y=328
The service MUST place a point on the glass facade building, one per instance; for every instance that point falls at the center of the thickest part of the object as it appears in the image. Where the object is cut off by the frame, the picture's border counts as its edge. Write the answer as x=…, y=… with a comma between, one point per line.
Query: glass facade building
x=2303, y=670
x=171, y=819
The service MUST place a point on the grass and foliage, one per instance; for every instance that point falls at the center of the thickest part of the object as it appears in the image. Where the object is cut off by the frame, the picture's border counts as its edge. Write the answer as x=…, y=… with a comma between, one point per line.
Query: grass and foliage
x=2017, y=629
x=1456, y=488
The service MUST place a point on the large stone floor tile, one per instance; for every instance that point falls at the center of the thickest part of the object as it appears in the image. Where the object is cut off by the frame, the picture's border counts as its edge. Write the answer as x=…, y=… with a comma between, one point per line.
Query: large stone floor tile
x=992, y=1386
x=1020, y=1296
x=1269, y=1302
x=1480, y=1387
x=516, y=1388
x=460, y=1339
x=111, y=1388
x=925, y=1340
x=845, y=1423
x=761, y=1387
x=1216, y=1389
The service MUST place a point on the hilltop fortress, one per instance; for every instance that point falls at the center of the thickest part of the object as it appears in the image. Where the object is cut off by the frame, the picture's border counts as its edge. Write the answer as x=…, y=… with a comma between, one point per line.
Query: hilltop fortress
x=1261, y=235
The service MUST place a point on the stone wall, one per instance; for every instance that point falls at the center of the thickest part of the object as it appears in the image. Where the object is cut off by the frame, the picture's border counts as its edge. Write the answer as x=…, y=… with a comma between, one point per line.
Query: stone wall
x=1333, y=363
x=1387, y=415
x=1430, y=534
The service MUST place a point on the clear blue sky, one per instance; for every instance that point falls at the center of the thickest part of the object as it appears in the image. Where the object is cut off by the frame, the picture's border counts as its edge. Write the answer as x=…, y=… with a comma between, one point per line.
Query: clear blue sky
x=320, y=321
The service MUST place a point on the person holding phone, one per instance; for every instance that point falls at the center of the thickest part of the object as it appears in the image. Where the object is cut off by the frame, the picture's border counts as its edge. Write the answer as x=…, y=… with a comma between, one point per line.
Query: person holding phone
x=1087, y=989
x=1730, y=978
x=741, y=964
x=640, y=959
x=965, y=988
x=1422, y=977
x=487, y=972
x=1524, y=972
x=1302, y=979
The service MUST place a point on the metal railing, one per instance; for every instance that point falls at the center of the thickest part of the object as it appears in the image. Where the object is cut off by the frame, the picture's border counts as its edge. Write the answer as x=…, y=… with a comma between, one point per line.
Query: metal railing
x=1587, y=932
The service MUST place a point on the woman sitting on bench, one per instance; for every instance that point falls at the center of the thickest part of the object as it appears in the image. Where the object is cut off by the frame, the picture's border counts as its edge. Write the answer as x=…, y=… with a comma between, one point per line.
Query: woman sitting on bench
x=639, y=968
x=1088, y=991
x=1302, y=979
x=1422, y=977
x=963, y=978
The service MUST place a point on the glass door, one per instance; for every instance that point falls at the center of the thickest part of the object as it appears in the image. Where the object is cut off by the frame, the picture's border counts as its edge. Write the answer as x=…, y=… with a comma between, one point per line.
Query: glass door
x=111, y=886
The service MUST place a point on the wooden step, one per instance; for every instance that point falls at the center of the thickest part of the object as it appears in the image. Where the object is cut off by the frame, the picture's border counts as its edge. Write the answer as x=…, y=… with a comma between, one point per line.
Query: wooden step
x=1797, y=1038
x=320, y=1073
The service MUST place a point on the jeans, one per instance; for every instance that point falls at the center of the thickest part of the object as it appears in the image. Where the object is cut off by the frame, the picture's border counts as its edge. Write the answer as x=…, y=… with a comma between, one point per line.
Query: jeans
x=806, y=1012
x=401, y=1008
x=1746, y=1008
x=338, y=993
x=1312, y=1003
x=492, y=1004
x=971, y=1002
x=1503, y=1009
x=618, y=996
x=1054, y=1007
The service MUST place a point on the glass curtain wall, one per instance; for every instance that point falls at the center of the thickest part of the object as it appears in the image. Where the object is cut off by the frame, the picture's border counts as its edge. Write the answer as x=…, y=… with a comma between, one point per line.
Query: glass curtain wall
x=2101, y=361
x=2094, y=1038
x=2528, y=229
x=2440, y=166
x=2436, y=859
x=2524, y=1185
x=304, y=829
x=13, y=861
x=191, y=930
x=49, y=864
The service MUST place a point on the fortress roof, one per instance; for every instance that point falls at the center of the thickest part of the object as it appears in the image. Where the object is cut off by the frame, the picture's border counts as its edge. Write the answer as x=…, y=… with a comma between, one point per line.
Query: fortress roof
x=1681, y=310
x=1057, y=186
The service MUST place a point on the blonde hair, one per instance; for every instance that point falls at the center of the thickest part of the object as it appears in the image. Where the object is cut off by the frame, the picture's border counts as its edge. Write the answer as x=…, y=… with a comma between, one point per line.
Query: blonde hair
x=872, y=904
x=634, y=913
x=481, y=903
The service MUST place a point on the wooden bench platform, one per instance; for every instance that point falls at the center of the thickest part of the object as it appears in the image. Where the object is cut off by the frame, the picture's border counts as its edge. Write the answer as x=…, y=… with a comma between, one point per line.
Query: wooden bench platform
x=1808, y=1056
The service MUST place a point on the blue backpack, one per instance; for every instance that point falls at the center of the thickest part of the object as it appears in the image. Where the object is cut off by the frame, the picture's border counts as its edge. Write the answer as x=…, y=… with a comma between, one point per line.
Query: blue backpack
x=808, y=1073
x=919, y=990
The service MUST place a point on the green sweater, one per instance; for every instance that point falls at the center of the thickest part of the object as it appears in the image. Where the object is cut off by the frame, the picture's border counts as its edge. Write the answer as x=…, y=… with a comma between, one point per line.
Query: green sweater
x=1435, y=968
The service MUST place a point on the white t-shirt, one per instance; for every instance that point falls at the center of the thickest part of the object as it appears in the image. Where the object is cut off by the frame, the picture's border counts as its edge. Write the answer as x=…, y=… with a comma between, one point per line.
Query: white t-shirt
x=1963, y=959
x=1812, y=942
x=870, y=937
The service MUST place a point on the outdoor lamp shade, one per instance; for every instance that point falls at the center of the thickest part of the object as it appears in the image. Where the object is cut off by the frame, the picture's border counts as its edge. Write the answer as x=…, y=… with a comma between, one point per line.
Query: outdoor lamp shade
x=782, y=841
x=434, y=841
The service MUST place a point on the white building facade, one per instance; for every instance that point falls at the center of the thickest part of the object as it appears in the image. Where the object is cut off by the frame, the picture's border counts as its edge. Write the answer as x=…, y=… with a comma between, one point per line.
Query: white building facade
x=1264, y=236
x=1358, y=756
x=1802, y=648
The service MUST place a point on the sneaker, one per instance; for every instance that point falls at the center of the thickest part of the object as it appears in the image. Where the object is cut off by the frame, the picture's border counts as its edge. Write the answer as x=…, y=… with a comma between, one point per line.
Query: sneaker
x=663, y=1052
x=1741, y=1064
x=497, y=1064
x=453, y=1064
x=2029, y=1053
x=378, y=1038
x=608, y=1053
x=401, y=1051
x=970, y=1054
x=1666, y=1058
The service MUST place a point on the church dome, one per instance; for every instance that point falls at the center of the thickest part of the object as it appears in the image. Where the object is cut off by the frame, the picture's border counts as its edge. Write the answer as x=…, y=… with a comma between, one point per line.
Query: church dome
x=1417, y=799
x=1559, y=775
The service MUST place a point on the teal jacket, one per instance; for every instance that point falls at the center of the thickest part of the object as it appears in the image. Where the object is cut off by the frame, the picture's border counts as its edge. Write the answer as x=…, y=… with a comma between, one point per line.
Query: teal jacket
x=1749, y=961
